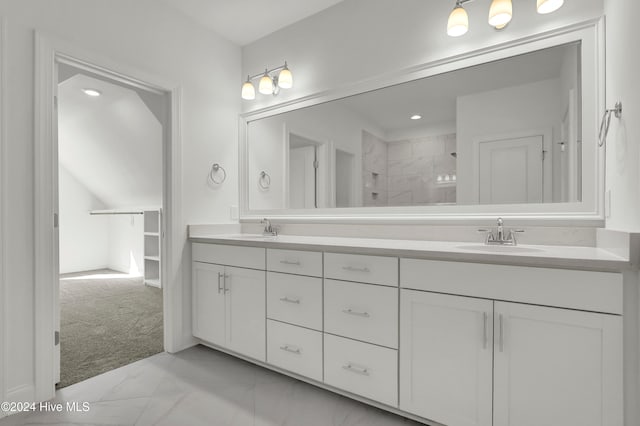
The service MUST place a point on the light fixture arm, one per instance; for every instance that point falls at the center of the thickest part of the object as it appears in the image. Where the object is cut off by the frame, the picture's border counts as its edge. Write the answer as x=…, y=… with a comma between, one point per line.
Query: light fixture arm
x=269, y=71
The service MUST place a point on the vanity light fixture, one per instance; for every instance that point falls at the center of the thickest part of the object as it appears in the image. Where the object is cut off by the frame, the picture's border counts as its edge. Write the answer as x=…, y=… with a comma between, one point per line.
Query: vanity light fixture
x=92, y=92
x=500, y=14
x=270, y=83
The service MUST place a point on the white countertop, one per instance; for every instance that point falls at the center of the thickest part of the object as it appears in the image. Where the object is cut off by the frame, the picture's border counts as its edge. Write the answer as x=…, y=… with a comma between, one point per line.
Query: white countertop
x=588, y=258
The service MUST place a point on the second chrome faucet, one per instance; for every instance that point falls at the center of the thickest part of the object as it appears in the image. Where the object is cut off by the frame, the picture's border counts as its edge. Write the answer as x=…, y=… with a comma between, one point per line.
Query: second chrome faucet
x=501, y=236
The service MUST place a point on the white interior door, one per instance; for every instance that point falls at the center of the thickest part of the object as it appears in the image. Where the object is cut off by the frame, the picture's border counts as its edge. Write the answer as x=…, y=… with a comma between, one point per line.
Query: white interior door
x=511, y=171
x=302, y=177
x=556, y=367
x=446, y=355
x=56, y=237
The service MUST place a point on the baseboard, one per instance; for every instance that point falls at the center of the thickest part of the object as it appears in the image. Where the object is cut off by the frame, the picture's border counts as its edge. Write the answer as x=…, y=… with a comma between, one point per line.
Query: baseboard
x=21, y=393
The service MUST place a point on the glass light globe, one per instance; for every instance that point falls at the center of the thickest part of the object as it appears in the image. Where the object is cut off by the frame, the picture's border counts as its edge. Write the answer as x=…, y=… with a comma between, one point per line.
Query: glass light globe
x=266, y=85
x=248, y=91
x=500, y=13
x=285, y=78
x=548, y=6
x=458, y=23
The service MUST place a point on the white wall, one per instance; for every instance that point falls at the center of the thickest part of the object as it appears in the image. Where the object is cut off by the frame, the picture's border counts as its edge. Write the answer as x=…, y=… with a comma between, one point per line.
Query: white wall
x=84, y=239
x=525, y=110
x=623, y=144
x=146, y=36
x=126, y=244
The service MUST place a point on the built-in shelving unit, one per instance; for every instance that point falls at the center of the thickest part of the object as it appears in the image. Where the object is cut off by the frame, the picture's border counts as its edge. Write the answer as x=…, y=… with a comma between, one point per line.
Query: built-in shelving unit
x=152, y=247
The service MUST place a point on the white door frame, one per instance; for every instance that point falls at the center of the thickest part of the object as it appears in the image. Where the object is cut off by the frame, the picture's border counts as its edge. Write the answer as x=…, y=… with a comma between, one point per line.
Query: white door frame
x=3, y=204
x=49, y=51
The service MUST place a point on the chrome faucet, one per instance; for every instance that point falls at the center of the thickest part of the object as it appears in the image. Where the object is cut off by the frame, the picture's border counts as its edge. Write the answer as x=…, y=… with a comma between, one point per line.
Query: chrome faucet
x=501, y=236
x=269, y=229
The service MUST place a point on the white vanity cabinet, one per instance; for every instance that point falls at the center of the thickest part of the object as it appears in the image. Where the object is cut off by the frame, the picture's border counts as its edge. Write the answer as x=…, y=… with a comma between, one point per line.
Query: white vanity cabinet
x=452, y=343
x=463, y=357
x=228, y=301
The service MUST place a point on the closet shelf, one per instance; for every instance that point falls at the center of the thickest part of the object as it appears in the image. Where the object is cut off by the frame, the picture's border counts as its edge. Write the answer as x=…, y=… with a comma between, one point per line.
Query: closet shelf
x=152, y=234
x=154, y=258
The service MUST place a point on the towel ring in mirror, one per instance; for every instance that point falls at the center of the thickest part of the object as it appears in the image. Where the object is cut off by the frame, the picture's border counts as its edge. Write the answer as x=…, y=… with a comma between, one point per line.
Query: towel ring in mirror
x=215, y=172
x=264, y=180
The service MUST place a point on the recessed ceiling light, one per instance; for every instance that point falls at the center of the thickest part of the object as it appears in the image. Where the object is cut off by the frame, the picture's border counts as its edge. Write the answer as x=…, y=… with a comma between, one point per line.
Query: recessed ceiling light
x=416, y=117
x=92, y=92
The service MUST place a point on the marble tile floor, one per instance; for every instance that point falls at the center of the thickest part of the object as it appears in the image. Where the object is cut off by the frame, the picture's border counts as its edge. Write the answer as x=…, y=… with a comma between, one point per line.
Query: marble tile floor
x=200, y=386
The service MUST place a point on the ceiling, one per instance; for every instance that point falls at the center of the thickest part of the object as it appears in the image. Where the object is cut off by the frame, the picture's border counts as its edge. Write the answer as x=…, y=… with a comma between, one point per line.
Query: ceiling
x=111, y=143
x=245, y=21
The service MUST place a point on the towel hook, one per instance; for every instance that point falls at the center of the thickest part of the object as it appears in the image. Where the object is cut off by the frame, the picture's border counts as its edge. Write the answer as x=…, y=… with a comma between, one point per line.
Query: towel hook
x=215, y=169
x=606, y=121
x=264, y=180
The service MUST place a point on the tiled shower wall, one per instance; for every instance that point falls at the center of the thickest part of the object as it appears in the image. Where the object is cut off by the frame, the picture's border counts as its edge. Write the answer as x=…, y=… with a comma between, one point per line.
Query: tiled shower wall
x=408, y=170
x=374, y=171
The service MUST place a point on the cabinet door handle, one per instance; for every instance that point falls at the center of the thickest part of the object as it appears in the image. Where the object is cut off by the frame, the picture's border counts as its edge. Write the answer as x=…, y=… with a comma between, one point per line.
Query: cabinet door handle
x=287, y=300
x=485, y=330
x=220, y=275
x=363, y=371
x=501, y=326
x=356, y=313
x=355, y=269
x=291, y=349
x=226, y=288
x=290, y=262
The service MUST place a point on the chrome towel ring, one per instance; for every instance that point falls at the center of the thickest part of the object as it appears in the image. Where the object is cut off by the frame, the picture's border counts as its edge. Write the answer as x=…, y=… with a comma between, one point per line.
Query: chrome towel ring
x=264, y=180
x=606, y=121
x=214, y=174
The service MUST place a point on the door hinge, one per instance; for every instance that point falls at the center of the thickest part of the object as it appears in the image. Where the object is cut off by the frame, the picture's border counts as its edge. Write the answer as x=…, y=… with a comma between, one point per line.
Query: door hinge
x=55, y=220
x=56, y=338
x=316, y=164
x=55, y=102
x=544, y=155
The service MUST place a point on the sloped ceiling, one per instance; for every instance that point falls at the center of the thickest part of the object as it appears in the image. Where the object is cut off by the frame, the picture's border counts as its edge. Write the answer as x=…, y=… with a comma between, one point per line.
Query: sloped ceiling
x=111, y=143
x=245, y=21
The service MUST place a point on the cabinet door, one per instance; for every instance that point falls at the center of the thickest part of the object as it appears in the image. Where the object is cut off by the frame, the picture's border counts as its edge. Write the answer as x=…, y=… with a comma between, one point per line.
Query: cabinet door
x=208, y=302
x=556, y=367
x=246, y=316
x=446, y=358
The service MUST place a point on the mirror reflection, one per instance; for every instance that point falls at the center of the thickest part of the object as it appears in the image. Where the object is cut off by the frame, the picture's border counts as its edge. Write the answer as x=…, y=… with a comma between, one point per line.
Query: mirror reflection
x=505, y=132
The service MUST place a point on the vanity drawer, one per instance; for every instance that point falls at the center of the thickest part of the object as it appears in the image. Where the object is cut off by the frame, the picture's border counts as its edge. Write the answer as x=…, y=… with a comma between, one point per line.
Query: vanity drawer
x=295, y=262
x=361, y=311
x=295, y=299
x=361, y=268
x=244, y=257
x=584, y=290
x=295, y=349
x=363, y=369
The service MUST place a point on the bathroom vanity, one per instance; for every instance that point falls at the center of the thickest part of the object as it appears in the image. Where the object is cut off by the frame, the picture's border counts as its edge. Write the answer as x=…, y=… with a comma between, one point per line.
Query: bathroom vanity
x=449, y=333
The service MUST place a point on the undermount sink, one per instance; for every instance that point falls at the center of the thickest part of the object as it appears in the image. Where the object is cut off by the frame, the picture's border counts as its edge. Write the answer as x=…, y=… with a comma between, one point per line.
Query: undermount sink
x=498, y=248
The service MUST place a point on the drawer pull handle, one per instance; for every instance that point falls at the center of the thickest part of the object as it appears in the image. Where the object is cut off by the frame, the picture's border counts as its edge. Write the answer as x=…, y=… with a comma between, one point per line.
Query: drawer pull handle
x=287, y=300
x=356, y=313
x=290, y=262
x=291, y=349
x=220, y=275
x=485, y=331
x=363, y=371
x=355, y=269
x=501, y=325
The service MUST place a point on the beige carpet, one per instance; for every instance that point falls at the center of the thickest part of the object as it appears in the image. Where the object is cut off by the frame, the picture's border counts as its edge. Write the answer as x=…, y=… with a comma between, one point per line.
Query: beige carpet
x=107, y=320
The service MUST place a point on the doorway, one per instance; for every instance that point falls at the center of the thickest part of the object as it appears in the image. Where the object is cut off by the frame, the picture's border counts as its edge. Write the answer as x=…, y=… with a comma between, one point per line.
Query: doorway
x=110, y=188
